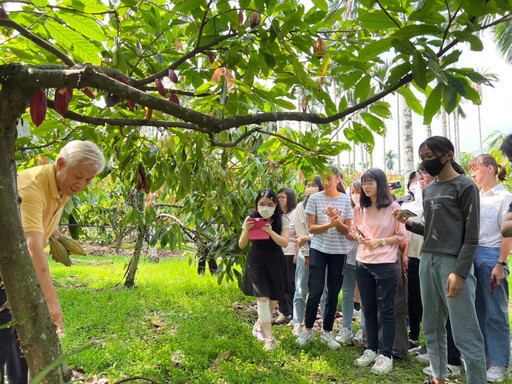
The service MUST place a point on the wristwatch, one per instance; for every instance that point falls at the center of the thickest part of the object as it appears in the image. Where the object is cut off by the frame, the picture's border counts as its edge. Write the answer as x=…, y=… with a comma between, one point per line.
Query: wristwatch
x=384, y=242
x=504, y=263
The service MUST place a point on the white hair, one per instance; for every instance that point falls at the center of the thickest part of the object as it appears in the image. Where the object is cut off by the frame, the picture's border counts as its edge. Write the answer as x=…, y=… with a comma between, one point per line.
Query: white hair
x=85, y=151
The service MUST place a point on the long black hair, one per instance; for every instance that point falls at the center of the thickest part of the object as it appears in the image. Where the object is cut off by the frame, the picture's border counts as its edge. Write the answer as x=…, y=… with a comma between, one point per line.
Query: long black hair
x=337, y=173
x=318, y=182
x=440, y=145
x=278, y=213
x=291, y=198
x=384, y=198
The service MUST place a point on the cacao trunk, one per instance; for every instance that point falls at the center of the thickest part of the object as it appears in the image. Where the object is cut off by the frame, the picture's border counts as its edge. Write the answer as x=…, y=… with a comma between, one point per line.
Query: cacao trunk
x=134, y=262
x=37, y=334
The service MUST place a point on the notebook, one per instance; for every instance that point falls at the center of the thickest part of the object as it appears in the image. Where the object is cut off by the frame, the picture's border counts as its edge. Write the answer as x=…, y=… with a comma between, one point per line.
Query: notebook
x=256, y=233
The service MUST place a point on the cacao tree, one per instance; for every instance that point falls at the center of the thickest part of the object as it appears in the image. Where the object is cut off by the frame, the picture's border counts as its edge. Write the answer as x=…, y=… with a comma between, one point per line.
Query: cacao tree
x=214, y=78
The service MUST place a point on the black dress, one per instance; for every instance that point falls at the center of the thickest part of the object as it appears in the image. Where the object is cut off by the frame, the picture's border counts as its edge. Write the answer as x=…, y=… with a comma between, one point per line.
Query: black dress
x=265, y=271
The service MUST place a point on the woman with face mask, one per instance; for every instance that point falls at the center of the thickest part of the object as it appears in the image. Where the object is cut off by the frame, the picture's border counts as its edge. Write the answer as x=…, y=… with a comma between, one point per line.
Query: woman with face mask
x=451, y=210
x=303, y=239
x=329, y=217
x=264, y=275
x=491, y=267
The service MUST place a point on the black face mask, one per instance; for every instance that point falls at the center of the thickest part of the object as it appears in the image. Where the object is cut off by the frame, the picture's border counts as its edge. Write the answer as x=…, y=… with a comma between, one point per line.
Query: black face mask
x=434, y=166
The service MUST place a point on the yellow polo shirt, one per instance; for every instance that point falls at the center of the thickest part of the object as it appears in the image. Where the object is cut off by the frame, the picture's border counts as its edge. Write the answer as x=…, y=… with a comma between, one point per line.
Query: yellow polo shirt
x=41, y=206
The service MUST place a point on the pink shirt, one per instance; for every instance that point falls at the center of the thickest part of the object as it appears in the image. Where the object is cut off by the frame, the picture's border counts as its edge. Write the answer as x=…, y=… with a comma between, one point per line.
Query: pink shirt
x=377, y=224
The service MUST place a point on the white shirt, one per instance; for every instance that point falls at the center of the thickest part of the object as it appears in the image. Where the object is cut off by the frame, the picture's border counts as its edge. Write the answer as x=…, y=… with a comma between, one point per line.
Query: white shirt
x=290, y=249
x=415, y=241
x=494, y=205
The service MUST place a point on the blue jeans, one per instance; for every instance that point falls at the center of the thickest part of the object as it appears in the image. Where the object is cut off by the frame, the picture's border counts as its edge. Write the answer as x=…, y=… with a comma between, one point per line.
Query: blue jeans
x=377, y=286
x=492, y=311
x=347, y=301
x=434, y=271
x=301, y=291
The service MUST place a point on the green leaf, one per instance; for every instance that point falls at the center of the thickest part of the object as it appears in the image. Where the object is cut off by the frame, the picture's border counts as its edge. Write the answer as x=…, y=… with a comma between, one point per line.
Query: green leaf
x=205, y=87
x=437, y=70
x=419, y=70
x=285, y=104
x=411, y=100
x=375, y=48
x=321, y=4
x=363, y=134
x=450, y=99
x=40, y=3
x=375, y=124
x=410, y=31
x=84, y=25
x=375, y=21
x=381, y=109
x=473, y=40
x=362, y=88
x=186, y=6
x=398, y=72
x=433, y=104
x=73, y=42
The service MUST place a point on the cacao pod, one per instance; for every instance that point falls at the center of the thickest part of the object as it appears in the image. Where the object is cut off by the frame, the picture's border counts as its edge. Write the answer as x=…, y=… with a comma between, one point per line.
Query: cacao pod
x=59, y=252
x=149, y=113
x=38, y=107
x=72, y=246
x=131, y=104
x=61, y=100
x=254, y=19
x=3, y=14
x=319, y=48
x=210, y=57
x=179, y=45
x=173, y=76
x=240, y=17
x=174, y=99
x=88, y=92
x=160, y=87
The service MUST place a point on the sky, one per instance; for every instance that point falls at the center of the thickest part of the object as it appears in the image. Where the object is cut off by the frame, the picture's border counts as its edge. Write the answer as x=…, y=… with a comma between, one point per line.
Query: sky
x=495, y=110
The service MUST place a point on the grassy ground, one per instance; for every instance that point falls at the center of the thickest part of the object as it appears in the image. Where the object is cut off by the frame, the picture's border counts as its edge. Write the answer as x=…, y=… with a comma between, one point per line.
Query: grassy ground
x=176, y=327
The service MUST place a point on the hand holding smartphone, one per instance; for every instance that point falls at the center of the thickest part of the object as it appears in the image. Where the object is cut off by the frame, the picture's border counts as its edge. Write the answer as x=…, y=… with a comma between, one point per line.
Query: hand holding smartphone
x=256, y=233
x=407, y=213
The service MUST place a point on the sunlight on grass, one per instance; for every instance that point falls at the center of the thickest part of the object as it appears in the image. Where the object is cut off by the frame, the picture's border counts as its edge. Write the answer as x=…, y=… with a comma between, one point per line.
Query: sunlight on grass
x=177, y=326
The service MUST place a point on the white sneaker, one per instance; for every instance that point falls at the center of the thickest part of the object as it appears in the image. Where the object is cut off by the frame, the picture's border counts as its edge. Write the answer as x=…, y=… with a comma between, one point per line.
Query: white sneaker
x=358, y=338
x=357, y=314
x=495, y=373
x=367, y=358
x=297, y=328
x=424, y=358
x=305, y=337
x=344, y=336
x=453, y=370
x=383, y=364
x=328, y=338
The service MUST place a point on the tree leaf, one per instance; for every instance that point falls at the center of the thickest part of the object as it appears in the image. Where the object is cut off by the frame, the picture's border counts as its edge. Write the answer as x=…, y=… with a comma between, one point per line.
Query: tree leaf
x=411, y=100
x=375, y=21
x=84, y=25
x=321, y=4
x=450, y=98
x=375, y=124
x=419, y=70
x=410, y=31
x=433, y=104
x=74, y=42
x=473, y=40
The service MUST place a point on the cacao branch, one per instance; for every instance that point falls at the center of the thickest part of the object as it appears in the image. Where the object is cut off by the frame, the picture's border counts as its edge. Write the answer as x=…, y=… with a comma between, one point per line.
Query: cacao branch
x=203, y=23
x=36, y=40
x=389, y=15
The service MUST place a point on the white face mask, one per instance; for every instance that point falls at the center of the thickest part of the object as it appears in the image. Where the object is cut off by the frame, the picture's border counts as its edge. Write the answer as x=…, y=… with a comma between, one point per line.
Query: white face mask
x=356, y=198
x=415, y=187
x=265, y=211
x=308, y=191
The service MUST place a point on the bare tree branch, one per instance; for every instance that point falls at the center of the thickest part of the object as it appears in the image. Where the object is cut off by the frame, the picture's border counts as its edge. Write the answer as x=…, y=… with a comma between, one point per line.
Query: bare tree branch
x=48, y=144
x=36, y=40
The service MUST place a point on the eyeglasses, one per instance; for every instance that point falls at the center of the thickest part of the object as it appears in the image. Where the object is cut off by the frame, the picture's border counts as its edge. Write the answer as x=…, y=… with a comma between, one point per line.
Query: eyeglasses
x=281, y=197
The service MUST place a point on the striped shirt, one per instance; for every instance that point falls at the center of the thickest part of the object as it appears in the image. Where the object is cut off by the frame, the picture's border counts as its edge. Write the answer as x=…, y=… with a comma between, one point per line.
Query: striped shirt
x=331, y=241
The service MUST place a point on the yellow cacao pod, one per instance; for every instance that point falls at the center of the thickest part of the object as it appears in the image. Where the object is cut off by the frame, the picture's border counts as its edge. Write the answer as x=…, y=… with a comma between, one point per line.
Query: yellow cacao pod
x=72, y=246
x=59, y=252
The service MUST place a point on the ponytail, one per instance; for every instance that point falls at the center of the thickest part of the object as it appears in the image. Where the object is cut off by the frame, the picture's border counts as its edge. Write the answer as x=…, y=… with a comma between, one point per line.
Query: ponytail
x=457, y=168
x=337, y=173
x=502, y=172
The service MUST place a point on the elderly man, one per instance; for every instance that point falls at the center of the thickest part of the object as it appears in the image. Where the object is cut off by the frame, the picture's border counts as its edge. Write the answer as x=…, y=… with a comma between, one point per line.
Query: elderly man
x=506, y=149
x=44, y=191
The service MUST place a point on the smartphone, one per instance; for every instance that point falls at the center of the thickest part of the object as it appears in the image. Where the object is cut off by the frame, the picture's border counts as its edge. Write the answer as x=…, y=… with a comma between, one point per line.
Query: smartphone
x=407, y=213
x=493, y=287
x=395, y=185
x=256, y=233
x=360, y=233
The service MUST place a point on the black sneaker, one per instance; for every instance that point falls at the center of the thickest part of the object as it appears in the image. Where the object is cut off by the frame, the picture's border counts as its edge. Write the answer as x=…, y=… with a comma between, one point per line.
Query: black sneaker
x=413, y=346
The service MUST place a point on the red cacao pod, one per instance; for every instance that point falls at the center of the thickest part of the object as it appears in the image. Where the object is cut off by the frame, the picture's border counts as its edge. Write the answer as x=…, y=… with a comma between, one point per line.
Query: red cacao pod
x=86, y=91
x=149, y=113
x=3, y=14
x=69, y=93
x=160, y=88
x=240, y=17
x=173, y=76
x=61, y=100
x=131, y=104
x=254, y=19
x=122, y=80
x=38, y=107
x=174, y=99
x=210, y=57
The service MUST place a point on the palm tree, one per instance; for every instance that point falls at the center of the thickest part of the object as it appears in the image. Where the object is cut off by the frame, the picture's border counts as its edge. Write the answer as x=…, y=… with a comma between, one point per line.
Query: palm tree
x=390, y=157
x=407, y=137
x=503, y=40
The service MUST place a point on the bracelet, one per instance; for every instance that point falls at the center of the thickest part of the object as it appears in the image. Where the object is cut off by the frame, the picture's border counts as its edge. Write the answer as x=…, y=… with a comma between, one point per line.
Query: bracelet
x=504, y=263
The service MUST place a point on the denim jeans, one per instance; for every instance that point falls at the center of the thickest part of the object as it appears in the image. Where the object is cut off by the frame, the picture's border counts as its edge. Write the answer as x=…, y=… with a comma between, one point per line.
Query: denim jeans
x=318, y=264
x=492, y=310
x=377, y=285
x=301, y=291
x=347, y=301
x=434, y=271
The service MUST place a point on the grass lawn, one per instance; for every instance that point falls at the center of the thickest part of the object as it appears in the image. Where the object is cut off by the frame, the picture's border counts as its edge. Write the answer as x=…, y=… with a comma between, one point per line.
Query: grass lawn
x=177, y=327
